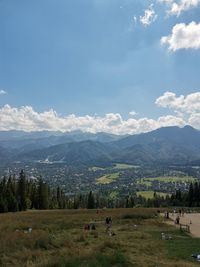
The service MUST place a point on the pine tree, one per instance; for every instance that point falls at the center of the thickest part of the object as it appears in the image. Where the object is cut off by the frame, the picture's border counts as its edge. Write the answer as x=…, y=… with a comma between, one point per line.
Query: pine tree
x=10, y=196
x=190, y=195
x=43, y=195
x=196, y=193
x=22, y=191
x=90, y=201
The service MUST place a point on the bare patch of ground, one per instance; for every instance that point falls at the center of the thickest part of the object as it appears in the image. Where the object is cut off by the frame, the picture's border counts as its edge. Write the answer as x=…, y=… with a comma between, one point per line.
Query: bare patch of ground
x=191, y=219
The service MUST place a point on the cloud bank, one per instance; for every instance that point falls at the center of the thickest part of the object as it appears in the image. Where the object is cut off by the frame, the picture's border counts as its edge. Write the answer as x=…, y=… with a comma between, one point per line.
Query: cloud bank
x=186, y=111
x=25, y=118
x=183, y=37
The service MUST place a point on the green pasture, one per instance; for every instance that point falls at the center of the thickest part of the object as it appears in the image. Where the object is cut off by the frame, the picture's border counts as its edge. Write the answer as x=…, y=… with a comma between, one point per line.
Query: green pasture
x=108, y=178
x=122, y=166
x=166, y=179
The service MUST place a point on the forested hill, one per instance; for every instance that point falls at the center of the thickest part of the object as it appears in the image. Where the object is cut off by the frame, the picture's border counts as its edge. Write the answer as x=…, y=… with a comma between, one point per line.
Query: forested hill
x=169, y=145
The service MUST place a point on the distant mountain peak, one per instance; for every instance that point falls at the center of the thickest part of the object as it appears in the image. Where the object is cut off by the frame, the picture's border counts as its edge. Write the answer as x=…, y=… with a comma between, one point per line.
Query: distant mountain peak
x=189, y=127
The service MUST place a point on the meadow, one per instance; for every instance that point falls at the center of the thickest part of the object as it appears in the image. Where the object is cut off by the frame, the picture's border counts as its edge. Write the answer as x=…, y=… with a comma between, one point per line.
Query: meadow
x=123, y=166
x=111, y=177
x=58, y=239
x=108, y=178
x=166, y=179
x=118, y=166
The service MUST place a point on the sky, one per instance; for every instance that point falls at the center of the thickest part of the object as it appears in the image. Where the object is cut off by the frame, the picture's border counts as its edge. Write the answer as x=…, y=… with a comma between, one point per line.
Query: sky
x=117, y=66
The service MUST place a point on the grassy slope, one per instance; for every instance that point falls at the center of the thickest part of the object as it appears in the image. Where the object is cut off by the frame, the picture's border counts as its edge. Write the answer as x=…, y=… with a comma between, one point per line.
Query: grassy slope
x=58, y=239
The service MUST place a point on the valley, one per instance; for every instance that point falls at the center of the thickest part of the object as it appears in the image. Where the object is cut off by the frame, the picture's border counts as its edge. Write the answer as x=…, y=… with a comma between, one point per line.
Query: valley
x=121, y=178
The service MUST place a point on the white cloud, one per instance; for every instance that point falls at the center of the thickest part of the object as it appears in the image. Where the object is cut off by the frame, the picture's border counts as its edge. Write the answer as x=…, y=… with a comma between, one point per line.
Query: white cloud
x=194, y=120
x=2, y=92
x=166, y=1
x=133, y=113
x=183, y=37
x=134, y=20
x=132, y=24
x=149, y=16
x=170, y=120
x=170, y=100
x=177, y=7
x=186, y=108
x=189, y=104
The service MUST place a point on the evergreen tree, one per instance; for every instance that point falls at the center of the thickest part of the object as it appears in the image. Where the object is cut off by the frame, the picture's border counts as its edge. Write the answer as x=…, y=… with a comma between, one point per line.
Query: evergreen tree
x=10, y=196
x=196, y=194
x=190, y=195
x=43, y=195
x=22, y=191
x=91, y=201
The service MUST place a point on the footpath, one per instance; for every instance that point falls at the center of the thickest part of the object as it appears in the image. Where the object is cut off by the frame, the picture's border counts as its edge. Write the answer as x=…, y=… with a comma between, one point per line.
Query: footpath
x=191, y=219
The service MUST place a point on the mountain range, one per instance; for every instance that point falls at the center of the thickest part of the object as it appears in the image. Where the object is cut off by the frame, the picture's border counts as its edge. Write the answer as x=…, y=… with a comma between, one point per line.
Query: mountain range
x=168, y=145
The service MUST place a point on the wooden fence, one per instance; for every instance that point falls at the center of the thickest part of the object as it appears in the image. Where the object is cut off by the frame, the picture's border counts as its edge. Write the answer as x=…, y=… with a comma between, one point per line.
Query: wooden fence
x=185, y=227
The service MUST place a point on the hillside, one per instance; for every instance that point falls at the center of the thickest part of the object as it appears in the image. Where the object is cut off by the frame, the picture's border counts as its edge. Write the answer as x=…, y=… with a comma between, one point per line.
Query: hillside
x=57, y=238
x=186, y=137
x=169, y=145
x=85, y=152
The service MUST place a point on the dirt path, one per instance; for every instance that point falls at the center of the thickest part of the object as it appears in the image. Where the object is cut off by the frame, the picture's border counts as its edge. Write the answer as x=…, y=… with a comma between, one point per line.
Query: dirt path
x=191, y=219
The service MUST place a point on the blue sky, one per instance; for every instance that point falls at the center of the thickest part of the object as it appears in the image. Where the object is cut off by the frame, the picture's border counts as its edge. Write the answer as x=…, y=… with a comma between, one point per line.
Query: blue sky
x=98, y=57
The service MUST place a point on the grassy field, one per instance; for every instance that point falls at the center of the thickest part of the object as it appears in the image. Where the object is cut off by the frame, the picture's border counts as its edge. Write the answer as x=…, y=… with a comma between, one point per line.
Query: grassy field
x=150, y=194
x=58, y=240
x=122, y=166
x=108, y=178
x=116, y=166
x=166, y=179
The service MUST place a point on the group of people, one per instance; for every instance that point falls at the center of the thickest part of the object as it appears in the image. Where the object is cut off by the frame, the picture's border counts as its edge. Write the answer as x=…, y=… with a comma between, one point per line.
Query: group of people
x=177, y=214
x=88, y=227
x=109, y=226
x=92, y=227
x=180, y=212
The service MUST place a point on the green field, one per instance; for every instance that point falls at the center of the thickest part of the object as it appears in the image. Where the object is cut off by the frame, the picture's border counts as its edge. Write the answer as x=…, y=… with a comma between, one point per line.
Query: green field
x=108, y=178
x=58, y=239
x=150, y=194
x=119, y=166
x=122, y=166
x=166, y=179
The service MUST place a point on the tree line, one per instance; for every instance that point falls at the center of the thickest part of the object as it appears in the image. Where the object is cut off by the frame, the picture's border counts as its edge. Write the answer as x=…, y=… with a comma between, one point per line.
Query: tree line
x=20, y=194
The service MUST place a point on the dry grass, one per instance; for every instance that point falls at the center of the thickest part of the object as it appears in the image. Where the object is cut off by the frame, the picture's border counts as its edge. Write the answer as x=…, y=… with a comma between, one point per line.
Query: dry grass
x=58, y=239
